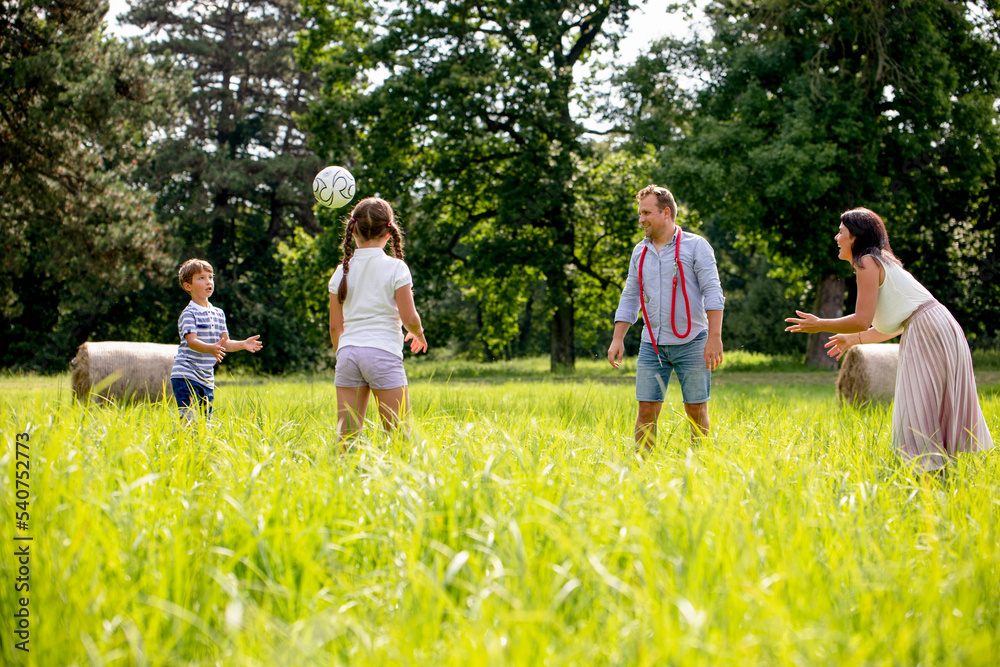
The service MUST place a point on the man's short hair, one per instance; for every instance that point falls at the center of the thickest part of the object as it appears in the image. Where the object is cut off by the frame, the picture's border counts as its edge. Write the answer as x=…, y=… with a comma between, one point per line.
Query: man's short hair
x=663, y=198
x=191, y=268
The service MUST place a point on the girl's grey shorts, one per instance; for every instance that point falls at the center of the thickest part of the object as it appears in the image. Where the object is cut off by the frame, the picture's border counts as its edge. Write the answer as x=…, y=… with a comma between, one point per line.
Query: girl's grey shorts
x=368, y=367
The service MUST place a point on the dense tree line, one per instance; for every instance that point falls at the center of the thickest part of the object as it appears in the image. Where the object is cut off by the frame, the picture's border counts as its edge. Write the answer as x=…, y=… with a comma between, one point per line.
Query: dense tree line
x=78, y=240
x=474, y=123
x=808, y=109
x=122, y=158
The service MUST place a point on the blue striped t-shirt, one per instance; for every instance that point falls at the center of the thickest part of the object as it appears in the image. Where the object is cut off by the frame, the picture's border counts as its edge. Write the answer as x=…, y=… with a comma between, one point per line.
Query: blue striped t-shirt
x=209, y=324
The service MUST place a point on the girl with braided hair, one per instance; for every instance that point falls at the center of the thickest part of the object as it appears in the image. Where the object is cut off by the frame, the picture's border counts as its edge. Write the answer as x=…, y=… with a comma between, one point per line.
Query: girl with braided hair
x=371, y=296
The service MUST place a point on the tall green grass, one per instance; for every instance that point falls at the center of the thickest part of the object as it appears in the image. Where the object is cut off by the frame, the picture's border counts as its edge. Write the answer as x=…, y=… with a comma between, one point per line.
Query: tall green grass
x=538, y=368
x=986, y=359
x=514, y=525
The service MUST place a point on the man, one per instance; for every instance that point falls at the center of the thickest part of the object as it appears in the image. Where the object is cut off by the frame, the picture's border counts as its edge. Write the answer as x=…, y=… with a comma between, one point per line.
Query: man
x=681, y=306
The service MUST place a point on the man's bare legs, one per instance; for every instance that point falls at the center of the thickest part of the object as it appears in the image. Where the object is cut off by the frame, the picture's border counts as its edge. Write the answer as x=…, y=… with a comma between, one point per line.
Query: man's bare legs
x=645, y=425
x=698, y=414
x=649, y=412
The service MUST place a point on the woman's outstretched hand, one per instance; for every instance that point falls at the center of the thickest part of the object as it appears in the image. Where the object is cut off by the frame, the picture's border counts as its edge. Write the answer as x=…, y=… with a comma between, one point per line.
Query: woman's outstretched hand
x=804, y=323
x=839, y=344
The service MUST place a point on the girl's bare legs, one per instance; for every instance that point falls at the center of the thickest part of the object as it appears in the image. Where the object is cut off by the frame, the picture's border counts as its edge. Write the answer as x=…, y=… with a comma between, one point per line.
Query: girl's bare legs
x=352, y=402
x=391, y=404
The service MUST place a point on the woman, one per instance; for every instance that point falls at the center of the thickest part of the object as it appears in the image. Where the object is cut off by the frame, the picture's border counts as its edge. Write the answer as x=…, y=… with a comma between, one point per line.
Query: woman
x=936, y=414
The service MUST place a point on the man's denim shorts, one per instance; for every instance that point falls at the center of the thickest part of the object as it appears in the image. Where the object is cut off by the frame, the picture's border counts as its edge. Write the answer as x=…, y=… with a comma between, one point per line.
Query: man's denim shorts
x=368, y=367
x=686, y=359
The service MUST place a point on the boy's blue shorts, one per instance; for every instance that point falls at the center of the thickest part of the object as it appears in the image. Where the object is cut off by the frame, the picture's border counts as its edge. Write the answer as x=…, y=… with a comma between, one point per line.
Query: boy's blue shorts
x=192, y=396
x=686, y=359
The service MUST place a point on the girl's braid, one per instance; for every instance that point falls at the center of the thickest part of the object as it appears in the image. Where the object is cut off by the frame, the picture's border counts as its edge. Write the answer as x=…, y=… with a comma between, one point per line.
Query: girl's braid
x=397, y=241
x=348, y=253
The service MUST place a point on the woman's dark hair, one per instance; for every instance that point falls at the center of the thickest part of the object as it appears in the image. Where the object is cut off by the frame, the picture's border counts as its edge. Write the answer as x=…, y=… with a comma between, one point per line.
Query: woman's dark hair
x=370, y=219
x=870, y=237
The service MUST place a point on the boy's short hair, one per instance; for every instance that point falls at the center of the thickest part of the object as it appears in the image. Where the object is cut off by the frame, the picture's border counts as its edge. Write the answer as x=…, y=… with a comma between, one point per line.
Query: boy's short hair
x=191, y=268
x=663, y=198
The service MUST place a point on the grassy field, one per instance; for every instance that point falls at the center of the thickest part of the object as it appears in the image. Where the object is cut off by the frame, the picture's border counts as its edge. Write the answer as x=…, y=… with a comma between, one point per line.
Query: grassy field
x=514, y=526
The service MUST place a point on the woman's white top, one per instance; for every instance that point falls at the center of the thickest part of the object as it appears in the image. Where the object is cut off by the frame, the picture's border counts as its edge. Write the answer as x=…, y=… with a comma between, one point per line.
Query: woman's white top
x=898, y=296
x=371, y=316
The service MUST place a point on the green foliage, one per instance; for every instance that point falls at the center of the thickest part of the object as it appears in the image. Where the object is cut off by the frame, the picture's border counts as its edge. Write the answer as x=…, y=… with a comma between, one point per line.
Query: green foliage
x=78, y=235
x=118, y=167
x=470, y=133
x=986, y=360
x=307, y=264
x=515, y=526
x=607, y=231
x=756, y=297
x=808, y=109
x=234, y=178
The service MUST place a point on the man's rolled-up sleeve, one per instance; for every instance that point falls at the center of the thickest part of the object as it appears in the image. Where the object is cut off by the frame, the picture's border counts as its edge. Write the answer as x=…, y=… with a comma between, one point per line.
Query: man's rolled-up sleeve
x=708, y=277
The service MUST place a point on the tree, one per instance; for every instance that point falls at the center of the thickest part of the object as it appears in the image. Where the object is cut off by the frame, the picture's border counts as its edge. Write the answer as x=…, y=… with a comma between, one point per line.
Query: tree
x=472, y=132
x=808, y=109
x=77, y=235
x=234, y=179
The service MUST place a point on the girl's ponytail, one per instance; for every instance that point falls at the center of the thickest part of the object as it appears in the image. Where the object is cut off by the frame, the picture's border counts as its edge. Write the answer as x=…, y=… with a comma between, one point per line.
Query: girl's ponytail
x=348, y=253
x=397, y=241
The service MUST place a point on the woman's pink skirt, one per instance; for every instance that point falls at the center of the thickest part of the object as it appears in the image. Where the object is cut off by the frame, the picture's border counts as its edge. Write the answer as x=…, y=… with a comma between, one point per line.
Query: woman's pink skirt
x=936, y=413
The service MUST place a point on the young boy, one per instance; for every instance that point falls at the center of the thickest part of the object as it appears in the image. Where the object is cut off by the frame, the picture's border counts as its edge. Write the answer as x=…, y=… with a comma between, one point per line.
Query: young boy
x=204, y=341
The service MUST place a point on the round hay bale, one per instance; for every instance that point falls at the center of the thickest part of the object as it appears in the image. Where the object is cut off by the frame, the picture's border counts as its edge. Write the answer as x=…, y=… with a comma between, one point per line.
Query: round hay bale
x=868, y=374
x=116, y=371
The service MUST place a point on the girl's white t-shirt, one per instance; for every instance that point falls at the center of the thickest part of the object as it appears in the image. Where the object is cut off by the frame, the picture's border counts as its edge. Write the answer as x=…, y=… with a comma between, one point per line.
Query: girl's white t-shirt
x=898, y=296
x=371, y=316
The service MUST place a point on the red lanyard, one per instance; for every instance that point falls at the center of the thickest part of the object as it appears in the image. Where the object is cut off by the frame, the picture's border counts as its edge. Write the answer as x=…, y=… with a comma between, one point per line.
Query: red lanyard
x=678, y=271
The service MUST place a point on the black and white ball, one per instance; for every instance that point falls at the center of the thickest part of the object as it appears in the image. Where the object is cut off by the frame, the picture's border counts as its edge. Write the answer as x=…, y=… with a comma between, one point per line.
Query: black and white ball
x=334, y=187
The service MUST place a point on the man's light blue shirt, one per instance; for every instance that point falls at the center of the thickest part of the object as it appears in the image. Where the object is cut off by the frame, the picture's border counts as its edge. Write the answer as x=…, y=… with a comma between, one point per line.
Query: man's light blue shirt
x=701, y=276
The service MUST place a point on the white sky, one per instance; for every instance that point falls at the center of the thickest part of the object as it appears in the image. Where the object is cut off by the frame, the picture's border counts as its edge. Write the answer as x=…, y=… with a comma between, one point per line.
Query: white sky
x=649, y=22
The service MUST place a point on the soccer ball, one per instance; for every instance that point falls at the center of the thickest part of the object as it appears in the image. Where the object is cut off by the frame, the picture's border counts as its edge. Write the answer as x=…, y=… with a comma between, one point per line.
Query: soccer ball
x=334, y=187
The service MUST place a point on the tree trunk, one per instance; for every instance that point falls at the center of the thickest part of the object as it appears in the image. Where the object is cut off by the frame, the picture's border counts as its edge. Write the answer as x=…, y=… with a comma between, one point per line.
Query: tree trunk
x=561, y=328
x=829, y=303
